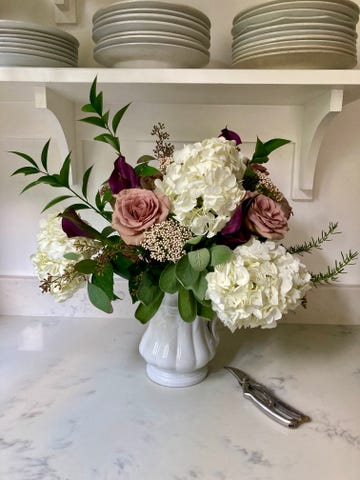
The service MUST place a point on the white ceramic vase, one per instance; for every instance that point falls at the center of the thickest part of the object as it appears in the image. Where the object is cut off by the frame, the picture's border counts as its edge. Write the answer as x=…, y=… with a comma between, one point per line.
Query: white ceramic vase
x=177, y=352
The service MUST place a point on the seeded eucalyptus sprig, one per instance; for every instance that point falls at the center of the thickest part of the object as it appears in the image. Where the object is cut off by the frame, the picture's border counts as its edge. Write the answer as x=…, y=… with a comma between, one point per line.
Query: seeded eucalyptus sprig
x=325, y=236
x=101, y=118
x=331, y=275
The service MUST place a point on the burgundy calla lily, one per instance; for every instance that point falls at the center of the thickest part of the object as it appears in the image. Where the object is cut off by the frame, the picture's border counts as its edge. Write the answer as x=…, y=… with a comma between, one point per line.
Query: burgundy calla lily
x=74, y=226
x=230, y=135
x=235, y=232
x=123, y=176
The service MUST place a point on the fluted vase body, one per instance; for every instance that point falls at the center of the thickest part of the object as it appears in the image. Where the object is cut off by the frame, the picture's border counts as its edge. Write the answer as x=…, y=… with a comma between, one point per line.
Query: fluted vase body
x=176, y=352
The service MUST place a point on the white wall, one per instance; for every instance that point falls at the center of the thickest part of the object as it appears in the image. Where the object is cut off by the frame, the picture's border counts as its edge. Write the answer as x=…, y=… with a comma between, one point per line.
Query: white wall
x=337, y=180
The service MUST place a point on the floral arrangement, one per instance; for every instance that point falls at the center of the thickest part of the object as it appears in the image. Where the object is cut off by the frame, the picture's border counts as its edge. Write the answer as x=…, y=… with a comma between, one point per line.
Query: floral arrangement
x=206, y=224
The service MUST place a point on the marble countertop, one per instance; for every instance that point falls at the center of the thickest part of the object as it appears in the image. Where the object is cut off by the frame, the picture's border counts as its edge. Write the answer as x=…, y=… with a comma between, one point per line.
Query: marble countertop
x=75, y=404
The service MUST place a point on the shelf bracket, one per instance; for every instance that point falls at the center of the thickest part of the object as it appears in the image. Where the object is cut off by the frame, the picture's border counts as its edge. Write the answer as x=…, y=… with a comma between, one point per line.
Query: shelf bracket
x=65, y=11
x=317, y=115
x=61, y=112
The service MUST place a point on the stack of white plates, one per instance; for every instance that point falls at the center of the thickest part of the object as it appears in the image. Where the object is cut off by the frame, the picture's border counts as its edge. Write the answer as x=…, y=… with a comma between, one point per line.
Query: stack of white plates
x=30, y=45
x=145, y=33
x=296, y=34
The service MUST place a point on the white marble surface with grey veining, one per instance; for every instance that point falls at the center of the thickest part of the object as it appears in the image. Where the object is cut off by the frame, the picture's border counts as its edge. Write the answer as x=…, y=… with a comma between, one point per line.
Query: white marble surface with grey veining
x=75, y=404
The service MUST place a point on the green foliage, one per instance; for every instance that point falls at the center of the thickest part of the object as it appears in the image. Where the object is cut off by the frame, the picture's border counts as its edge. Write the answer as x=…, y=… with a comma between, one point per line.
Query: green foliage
x=332, y=273
x=101, y=119
x=263, y=150
x=145, y=170
x=99, y=298
x=187, y=304
x=220, y=254
x=144, y=312
x=325, y=236
x=168, y=281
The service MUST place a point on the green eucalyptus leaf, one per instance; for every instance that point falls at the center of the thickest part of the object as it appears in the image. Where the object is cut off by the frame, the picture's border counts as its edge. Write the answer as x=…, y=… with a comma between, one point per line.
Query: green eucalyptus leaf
x=26, y=157
x=185, y=274
x=187, y=305
x=44, y=154
x=220, y=254
x=145, y=159
x=71, y=256
x=121, y=266
x=85, y=180
x=99, y=299
x=168, y=281
x=195, y=240
x=105, y=280
x=200, y=286
x=199, y=259
x=144, y=313
x=205, y=311
x=86, y=266
x=55, y=201
x=145, y=170
x=118, y=116
x=147, y=289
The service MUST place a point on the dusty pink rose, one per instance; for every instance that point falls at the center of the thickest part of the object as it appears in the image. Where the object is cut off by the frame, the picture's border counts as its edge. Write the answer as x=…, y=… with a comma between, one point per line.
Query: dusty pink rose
x=136, y=210
x=267, y=218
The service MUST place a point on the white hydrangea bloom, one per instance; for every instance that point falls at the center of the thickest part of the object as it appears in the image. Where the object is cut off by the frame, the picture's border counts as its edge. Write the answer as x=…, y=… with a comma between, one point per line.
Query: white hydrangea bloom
x=257, y=286
x=203, y=184
x=53, y=244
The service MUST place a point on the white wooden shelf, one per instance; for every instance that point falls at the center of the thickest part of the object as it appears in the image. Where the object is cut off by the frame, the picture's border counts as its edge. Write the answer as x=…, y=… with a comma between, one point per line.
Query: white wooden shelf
x=321, y=93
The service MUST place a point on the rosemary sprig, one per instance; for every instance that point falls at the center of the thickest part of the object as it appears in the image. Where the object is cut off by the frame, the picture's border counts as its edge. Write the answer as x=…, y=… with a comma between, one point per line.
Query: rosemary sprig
x=331, y=275
x=306, y=247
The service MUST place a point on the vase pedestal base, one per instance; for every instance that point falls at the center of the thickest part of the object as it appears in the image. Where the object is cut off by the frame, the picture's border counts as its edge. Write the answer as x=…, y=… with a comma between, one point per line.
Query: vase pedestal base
x=169, y=378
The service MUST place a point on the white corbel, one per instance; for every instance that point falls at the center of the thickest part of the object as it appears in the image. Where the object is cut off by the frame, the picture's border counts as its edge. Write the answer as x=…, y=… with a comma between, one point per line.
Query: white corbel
x=316, y=116
x=65, y=11
x=62, y=115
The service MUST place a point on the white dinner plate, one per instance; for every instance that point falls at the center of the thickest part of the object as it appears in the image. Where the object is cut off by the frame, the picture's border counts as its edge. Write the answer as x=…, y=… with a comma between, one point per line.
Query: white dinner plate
x=155, y=38
x=21, y=59
x=151, y=56
x=33, y=27
x=298, y=59
x=297, y=40
x=344, y=7
x=36, y=45
x=118, y=27
x=287, y=24
x=271, y=18
x=136, y=5
x=142, y=11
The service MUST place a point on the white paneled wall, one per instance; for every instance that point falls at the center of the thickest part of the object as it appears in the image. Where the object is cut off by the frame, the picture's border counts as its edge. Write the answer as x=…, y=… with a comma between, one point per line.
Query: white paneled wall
x=337, y=180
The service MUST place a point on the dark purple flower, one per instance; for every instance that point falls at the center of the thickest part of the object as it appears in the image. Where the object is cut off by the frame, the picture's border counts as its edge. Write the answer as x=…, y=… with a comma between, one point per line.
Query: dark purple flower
x=230, y=135
x=123, y=176
x=73, y=226
x=235, y=232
